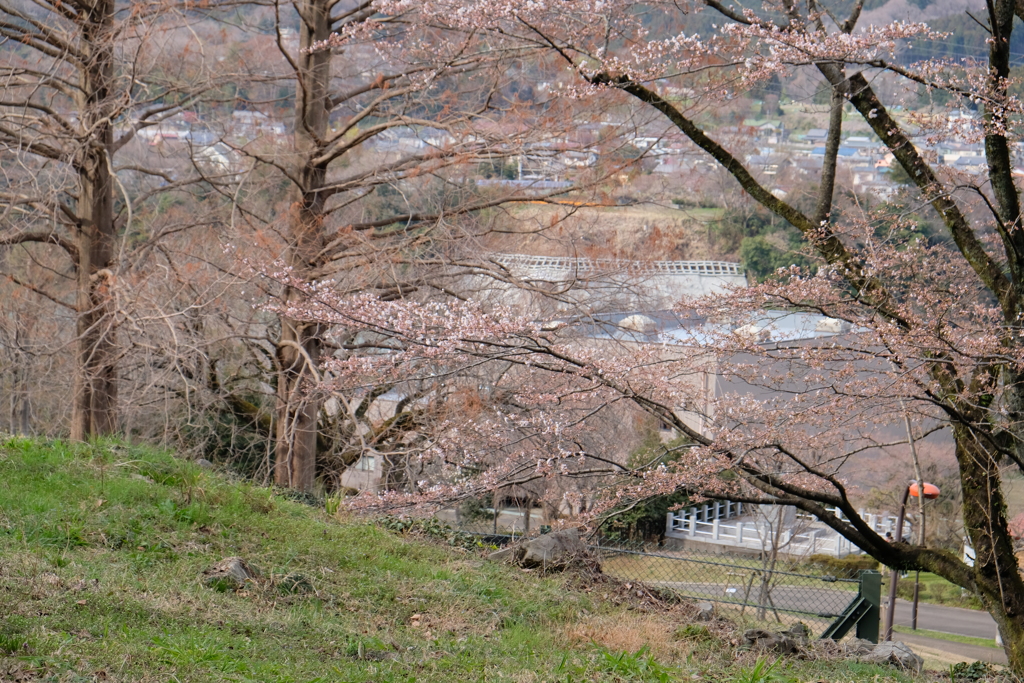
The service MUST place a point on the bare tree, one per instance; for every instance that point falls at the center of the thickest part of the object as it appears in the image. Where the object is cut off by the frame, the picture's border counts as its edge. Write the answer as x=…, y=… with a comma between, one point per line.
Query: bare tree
x=80, y=80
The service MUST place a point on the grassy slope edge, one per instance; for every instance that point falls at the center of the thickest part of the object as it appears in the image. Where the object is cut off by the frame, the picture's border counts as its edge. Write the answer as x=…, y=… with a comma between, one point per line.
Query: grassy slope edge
x=102, y=548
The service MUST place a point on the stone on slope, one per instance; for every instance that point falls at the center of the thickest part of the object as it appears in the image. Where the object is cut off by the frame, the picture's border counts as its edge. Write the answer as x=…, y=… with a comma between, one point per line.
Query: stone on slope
x=230, y=574
x=895, y=653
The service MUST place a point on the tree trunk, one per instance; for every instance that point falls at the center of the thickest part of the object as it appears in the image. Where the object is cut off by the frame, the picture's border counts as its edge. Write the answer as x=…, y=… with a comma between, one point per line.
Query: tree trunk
x=94, y=408
x=997, y=579
x=298, y=354
x=298, y=351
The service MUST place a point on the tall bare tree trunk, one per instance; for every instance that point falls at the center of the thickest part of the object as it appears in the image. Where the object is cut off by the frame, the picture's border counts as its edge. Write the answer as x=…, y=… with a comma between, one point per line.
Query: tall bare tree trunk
x=298, y=351
x=94, y=408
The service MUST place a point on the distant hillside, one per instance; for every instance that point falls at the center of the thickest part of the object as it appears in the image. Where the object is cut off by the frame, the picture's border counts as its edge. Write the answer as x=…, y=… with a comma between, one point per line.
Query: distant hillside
x=917, y=10
x=967, y=38
x=641, y=231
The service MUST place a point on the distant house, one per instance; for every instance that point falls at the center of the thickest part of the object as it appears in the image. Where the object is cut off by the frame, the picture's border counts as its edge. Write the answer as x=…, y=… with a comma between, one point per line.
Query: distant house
x=768, y=164
x=816, y=135
x=363, y=475
x=766, y=130
x=406, y=138
x=527, y=186
x=809, y=165
x=861, y=142
x=867, y=174
x=970, y=164
x=254, y=124
x=844, y=152
x=219, y=159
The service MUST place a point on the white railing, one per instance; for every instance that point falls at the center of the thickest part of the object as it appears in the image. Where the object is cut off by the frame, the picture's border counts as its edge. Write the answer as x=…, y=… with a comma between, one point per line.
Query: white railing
x=588, y=265
x=705, y=523
x=761, y=536
x=719, y=509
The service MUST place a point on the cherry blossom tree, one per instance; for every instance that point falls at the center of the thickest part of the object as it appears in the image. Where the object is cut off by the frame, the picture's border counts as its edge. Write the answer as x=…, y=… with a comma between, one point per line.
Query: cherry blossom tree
x=930, y=329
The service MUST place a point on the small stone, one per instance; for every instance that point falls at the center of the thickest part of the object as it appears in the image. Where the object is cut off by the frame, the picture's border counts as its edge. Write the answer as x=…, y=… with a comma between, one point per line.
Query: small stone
x=204, y=463
x=759, y=639
x=798, y=633
x=706, y=611
x=230, y=574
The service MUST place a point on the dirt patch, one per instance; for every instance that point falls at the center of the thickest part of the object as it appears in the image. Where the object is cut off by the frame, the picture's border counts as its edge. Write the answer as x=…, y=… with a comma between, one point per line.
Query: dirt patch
x=630, y=634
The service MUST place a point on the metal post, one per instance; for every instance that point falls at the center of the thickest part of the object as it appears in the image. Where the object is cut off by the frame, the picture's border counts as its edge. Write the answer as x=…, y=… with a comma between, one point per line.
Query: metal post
x=890, y=610
x=871, y=591
x=913, y=611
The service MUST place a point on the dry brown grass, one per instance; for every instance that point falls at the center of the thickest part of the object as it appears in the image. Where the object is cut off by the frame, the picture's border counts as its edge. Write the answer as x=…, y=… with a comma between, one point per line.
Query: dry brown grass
x=630, y=633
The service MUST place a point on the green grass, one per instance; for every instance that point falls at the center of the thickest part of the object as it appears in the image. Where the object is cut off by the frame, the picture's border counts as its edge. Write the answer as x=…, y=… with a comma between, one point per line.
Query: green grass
x=934, y=590
x=952, y=637
x=102, y=549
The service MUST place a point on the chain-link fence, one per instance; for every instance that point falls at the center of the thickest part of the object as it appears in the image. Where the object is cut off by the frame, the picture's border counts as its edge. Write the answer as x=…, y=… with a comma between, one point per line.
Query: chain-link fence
x=758, y=588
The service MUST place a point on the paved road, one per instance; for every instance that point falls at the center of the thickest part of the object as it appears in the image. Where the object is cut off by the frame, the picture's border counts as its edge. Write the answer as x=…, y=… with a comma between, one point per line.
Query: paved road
x=964, y=622
x=946, y=648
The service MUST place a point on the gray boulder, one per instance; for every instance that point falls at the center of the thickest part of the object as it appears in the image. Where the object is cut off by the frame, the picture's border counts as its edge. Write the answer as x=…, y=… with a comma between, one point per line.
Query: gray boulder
x=551, y=551
x=230, y=574
x=895, y=653
x=856, y=647
x=558, y=549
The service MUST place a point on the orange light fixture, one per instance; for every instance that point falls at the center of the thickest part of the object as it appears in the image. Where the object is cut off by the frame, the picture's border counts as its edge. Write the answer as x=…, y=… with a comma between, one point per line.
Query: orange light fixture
x=931, y=491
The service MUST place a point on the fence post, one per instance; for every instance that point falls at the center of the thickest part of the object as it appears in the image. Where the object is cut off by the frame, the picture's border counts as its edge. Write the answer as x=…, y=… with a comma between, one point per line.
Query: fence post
x=670, y=520
x=814, y=541
x=739, y=533
x=714, y=529
x=871, y=591
x=693, y=522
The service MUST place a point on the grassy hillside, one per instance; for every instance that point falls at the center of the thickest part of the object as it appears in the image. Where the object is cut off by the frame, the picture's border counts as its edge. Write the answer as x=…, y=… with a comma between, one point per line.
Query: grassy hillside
x=103, y=547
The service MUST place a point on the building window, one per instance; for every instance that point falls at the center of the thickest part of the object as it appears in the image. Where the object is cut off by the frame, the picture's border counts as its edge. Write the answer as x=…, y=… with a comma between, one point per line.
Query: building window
x=367, y=463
